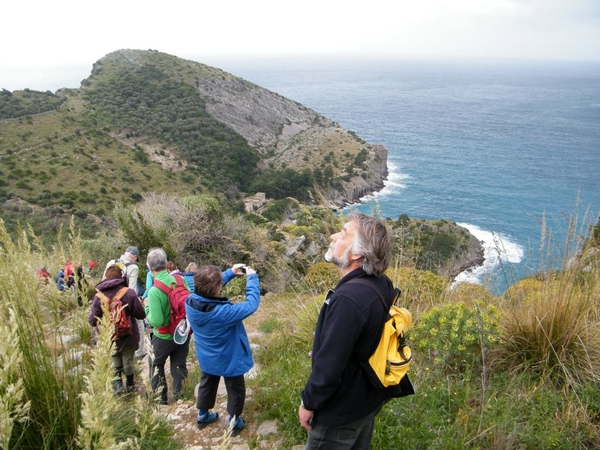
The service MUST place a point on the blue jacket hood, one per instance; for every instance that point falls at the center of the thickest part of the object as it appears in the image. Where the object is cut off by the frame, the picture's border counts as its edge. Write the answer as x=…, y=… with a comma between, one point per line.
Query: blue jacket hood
x=222, y=345
x=203, y=308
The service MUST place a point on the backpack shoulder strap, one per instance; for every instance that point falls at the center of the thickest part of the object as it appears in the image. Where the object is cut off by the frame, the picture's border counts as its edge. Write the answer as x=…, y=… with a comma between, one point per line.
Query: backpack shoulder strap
x=162, y=286
x=119, y=295
x=367, y=282
x=178, y=280
x=372, y=285
x=102, y=295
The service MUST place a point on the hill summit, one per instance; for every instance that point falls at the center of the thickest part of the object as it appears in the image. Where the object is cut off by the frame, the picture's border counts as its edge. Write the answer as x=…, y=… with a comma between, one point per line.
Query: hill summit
x=155, y=122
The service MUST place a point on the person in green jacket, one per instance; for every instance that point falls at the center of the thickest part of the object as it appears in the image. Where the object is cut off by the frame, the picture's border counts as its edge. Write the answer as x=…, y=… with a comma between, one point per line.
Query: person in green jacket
x=158, y=312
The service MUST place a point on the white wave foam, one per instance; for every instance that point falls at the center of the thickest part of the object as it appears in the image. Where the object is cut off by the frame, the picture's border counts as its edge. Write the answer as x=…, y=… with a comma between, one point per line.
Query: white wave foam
x=395, y=182
x=497, y=249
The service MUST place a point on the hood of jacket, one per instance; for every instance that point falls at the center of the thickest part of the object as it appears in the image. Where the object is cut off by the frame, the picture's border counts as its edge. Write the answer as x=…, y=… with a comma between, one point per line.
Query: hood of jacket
x=110, y=283
x=202, y=309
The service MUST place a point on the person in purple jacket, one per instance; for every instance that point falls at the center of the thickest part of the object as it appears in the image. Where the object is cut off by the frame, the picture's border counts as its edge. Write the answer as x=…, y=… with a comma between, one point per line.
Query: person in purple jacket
x=222, y=345
x=123, y=358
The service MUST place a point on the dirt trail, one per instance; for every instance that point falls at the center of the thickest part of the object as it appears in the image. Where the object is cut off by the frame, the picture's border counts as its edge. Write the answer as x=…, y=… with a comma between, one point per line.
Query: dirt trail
x=182, y=413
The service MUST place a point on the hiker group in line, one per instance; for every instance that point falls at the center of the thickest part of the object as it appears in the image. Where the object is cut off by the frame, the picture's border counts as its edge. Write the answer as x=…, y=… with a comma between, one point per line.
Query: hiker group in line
x=340, y=400
x=176, y=306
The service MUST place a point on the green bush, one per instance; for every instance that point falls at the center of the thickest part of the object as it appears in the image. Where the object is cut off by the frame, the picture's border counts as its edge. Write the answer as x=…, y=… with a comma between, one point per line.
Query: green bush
x=550, y=328
x=321, y=276
x=455, y=335
x=420, y=289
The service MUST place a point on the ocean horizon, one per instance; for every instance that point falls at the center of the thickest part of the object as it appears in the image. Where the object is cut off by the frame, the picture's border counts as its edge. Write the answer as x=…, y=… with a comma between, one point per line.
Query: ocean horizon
x=497, y=146
x=503, y=148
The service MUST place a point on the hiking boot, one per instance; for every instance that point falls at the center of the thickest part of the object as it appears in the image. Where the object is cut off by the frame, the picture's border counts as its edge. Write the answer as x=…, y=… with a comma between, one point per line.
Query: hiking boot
x=206, y=419
x=118, y=386
x=236, y=425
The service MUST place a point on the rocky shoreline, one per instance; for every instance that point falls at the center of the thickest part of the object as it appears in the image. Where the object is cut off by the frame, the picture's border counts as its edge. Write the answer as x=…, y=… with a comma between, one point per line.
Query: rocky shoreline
x=363, y=183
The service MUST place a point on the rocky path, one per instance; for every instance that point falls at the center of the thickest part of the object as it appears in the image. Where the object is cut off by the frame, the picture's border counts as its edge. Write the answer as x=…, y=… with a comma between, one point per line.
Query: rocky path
x=182, y=413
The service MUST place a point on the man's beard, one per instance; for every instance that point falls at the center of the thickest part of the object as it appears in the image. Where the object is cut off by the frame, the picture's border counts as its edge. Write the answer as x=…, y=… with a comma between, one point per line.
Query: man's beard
x=341, y=262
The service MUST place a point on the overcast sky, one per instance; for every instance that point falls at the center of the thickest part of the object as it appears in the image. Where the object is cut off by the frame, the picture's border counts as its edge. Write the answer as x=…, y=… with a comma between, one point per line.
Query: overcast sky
x=42, y=33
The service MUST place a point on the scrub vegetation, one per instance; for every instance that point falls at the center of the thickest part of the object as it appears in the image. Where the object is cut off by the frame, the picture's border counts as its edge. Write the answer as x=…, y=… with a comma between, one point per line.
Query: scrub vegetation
x=514, y=371
x=133, y=158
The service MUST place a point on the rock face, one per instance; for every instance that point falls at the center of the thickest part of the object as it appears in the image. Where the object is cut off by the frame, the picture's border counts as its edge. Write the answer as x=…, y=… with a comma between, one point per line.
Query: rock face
x=288, y=134
x=475, y=258
x=267, y=120
x=358, y=187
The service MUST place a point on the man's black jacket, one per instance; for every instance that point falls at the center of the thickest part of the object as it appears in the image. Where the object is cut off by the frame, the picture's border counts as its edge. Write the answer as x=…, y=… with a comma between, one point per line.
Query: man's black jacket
x=348, y=330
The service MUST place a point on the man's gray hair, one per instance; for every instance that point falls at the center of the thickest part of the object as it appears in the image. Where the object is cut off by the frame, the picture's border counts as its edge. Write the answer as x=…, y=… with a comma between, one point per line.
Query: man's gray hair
x=156, y=259
x=373, y=241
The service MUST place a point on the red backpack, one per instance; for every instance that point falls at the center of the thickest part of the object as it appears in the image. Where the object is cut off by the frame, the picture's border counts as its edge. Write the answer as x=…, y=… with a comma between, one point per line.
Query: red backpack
x=117, y=314
x=177, y=298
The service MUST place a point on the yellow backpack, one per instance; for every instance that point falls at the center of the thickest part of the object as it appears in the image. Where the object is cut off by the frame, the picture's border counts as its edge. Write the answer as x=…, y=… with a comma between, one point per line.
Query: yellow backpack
x=390, y=361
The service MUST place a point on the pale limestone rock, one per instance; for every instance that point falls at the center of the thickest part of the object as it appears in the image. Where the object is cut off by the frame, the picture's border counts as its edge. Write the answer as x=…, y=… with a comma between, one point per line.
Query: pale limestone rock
x=267, y=428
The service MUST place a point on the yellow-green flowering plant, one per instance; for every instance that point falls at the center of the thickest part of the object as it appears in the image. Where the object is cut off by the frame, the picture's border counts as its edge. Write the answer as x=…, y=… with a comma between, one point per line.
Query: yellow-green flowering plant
x=455, y=335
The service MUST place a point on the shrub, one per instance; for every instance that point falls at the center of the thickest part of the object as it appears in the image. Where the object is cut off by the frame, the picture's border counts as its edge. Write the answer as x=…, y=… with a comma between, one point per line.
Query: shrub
x=321, y=276
x=456, y=335
x=550, y=328
x=550, y=323
x=420, y=289
x=467, y=292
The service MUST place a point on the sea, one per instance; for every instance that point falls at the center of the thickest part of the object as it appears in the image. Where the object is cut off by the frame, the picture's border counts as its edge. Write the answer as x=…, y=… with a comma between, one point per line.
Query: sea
x=508, y=149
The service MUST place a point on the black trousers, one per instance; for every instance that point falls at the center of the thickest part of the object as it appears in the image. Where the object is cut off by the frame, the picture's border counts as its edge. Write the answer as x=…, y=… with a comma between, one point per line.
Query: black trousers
x=236, y=393
x=177, y=355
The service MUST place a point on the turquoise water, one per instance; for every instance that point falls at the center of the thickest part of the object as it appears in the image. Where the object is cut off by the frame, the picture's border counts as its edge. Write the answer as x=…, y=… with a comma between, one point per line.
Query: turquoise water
x=495, y=146
x=492, y=145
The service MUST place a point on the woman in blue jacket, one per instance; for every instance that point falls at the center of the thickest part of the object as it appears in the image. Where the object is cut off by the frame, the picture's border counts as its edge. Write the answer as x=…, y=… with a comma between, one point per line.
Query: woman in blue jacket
x=222, y=345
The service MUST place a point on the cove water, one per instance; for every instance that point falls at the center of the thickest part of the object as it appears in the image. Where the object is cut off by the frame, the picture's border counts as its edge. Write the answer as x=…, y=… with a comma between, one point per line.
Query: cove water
x=492, y=145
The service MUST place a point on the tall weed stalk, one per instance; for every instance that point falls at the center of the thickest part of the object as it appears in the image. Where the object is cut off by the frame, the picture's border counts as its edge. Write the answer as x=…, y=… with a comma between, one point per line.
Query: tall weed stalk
x=550, y=324
x=13, y=407
x=51, y=387
x=98, y=400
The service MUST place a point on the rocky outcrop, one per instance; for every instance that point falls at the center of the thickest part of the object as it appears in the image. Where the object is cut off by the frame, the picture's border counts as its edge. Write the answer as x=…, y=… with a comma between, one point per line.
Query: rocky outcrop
x=474, y=258
x=288, y=134
x=363, y=183
x=264, y=118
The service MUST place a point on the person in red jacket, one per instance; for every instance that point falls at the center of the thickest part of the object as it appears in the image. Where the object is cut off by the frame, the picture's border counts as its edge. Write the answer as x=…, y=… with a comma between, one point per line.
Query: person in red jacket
x=123, y=359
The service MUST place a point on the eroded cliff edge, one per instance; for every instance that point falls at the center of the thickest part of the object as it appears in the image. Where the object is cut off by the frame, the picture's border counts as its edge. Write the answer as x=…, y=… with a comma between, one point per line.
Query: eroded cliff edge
x=288, y=134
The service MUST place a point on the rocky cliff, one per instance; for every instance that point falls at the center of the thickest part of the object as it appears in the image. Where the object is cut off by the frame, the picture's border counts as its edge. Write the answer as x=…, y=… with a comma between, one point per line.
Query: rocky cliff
x=288, y=134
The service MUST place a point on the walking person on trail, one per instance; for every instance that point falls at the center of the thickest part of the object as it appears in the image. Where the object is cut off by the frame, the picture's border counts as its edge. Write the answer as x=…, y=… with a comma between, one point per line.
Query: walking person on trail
x=124, y=347
x=131, y=272
x=158, y=314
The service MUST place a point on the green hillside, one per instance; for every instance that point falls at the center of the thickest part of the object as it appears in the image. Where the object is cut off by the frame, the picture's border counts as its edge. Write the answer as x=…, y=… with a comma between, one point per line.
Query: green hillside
x=138, y=125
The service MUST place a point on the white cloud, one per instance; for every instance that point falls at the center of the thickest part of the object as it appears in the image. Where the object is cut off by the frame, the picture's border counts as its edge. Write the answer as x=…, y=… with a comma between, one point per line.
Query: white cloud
x=39, y=32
